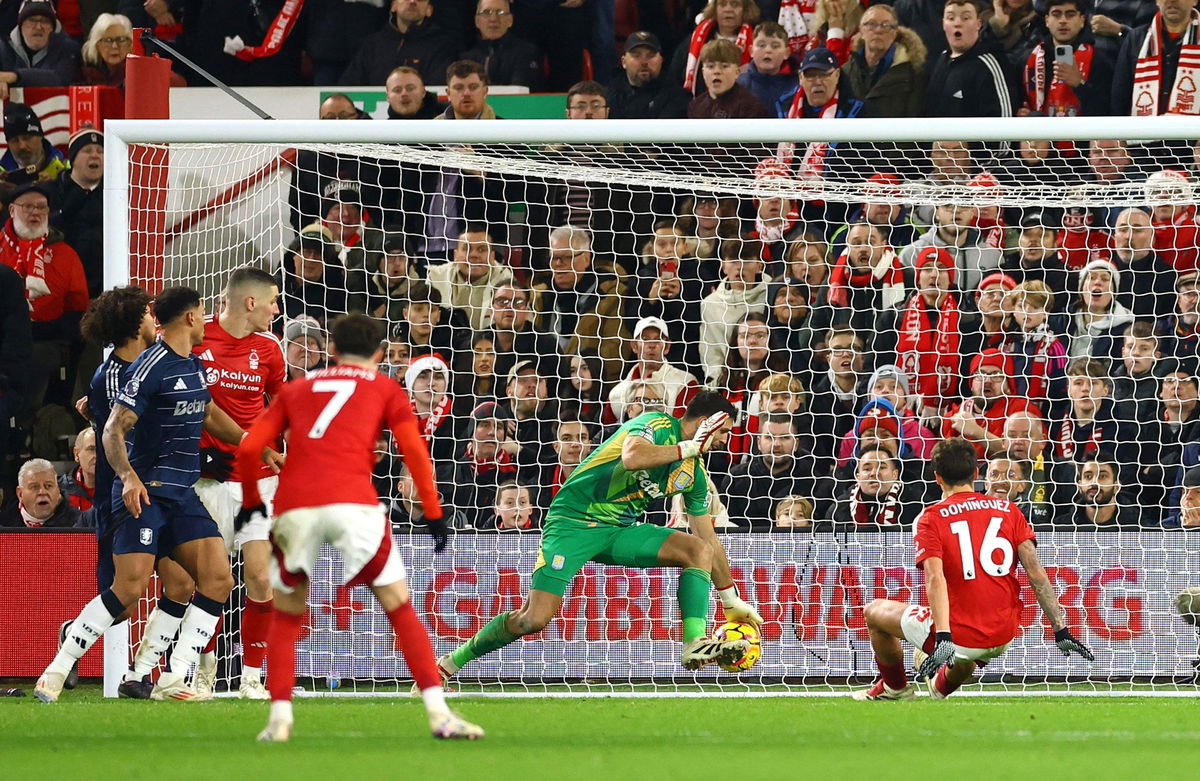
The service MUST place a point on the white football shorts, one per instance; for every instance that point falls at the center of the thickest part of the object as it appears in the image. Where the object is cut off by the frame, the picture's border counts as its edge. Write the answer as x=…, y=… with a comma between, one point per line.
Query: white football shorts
x=917, y=624
x=361, y=532
x=224, y=500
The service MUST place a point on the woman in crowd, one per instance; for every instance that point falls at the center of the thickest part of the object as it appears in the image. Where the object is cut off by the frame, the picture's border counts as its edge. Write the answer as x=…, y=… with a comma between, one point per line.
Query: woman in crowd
x=108, y=43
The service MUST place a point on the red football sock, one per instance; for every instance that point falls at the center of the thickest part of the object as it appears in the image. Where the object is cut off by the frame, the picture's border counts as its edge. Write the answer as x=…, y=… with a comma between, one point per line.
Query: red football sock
x=414, y=644
x=212, y=642
x=942, y=683
x=281, y=653
x=256, y=623
x=894, y=675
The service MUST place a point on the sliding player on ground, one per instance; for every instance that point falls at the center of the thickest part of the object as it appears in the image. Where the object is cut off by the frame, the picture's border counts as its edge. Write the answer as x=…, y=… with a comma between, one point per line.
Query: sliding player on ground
x=162, y=408
x=334, y=418
x=596, y=516
x=967, y=544
x=121, y=317
x=244, y=365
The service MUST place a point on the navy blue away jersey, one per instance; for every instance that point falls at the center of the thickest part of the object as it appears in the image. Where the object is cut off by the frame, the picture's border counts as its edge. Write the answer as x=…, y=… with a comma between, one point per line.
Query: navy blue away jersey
x=168, y=393
x=102, y=394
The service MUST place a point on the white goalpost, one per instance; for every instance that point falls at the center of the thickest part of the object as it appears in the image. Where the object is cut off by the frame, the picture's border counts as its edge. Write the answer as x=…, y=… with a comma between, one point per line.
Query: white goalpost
x=745, y=213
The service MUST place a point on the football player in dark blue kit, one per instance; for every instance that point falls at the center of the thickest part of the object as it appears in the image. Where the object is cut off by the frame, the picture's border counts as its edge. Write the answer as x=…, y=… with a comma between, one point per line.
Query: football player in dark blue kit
x=152, y=443
x=121, y=317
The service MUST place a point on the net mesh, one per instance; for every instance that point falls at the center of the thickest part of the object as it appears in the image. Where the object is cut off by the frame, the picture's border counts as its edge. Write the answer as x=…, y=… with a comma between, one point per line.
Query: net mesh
x=795, y=278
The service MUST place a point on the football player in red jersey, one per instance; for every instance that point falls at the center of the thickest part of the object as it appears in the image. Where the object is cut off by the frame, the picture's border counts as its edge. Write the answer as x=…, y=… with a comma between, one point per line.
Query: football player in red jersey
x=335, y=417
x=968, y=545
x=244, y=366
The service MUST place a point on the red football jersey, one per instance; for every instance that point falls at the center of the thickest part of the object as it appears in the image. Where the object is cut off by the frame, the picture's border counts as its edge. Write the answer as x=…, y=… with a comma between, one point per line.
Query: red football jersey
x=335, y=417
x=240, y=374
x=976, y=537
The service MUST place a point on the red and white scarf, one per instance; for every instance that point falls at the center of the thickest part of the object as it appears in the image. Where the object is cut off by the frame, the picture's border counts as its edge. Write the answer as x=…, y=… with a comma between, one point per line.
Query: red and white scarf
x=502, y=461
x=876, y=513
x=429, y=423
x=1039, y=363
x=1068, y=448
x=276, y=34
x=930, y=355
x=887, y=274
x=700, y=36
x=28, y=258
x=1058, y=99
x=812, y=164
x=795, y=16
x=1148, y=73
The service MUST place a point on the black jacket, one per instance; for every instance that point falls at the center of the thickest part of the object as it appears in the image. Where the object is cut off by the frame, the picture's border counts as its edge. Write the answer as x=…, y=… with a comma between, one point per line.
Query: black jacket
x=661, y=98
x=1153, y=293
x=426, y=47
x=337, y=28
x=65, y=516
x=16, y=338
x=430, y=108
x=752, y=490
x=974, y=84
x=509, y=60
x=79, y=214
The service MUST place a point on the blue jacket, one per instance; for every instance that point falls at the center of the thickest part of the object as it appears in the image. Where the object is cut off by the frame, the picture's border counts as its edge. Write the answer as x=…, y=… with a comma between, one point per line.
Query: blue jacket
x=770, y=88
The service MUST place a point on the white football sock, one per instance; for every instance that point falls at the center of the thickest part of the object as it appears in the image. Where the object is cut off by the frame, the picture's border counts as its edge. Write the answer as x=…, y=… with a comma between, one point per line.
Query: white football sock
x=195, y=632
x=160, y=631
x=281, y=710
x=435, y=700
x=84, y=632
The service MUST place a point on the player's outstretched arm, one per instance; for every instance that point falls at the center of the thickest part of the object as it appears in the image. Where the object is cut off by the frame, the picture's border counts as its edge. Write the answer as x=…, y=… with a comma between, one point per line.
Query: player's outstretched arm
x=734, y=607
x=119, y=424
x=638, y=452
x=1048, y=601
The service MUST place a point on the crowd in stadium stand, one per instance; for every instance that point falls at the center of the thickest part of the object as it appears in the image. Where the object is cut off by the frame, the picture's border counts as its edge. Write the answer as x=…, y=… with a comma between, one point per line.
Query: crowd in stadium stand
x=1061, y=341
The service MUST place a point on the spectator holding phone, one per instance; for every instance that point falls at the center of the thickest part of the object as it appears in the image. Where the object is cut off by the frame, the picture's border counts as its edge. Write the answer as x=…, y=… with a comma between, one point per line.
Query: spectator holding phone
x=1066, y=74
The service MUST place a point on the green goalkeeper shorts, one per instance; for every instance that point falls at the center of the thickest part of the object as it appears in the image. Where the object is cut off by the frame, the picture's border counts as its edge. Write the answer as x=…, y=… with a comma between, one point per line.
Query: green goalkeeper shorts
x=567, y=547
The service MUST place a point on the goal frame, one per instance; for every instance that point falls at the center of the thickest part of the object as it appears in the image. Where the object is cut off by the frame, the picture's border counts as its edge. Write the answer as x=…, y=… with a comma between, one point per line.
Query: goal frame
x=121, y=135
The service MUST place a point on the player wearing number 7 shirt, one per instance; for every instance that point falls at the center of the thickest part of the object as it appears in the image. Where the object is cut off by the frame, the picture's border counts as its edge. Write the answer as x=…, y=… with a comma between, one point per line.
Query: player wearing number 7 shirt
x=334, y=417
x=968, y=545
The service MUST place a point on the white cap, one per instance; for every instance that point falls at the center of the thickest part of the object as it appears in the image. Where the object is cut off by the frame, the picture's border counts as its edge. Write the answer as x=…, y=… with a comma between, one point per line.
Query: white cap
x=651, y=322
x=1102, y=264
x=430, y=362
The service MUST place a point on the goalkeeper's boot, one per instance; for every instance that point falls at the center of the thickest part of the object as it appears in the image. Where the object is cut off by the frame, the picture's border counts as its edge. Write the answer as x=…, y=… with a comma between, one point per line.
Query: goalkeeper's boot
x=72, y=677
x=136, y=690
x=253, y=689
x=450, y=726
x=174, y=686
x=919, y=658
x=881, y=692
x=205, y=679
x=702, y=651
x=49, y=686
x=446, y=671
x=276, y=731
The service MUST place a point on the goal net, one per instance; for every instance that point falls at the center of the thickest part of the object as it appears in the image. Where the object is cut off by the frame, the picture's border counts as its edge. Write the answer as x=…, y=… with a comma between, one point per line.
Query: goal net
x=858, y=289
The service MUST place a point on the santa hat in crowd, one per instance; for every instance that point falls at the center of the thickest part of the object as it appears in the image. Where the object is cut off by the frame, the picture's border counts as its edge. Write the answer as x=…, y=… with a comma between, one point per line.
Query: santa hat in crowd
x=995, y=359
x=937, y=255
x=430, y=362
x=996, y=278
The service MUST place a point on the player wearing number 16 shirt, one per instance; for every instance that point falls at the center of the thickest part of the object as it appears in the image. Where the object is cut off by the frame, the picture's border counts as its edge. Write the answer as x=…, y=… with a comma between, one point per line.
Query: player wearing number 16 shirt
x=968, y=545
x=334, y=418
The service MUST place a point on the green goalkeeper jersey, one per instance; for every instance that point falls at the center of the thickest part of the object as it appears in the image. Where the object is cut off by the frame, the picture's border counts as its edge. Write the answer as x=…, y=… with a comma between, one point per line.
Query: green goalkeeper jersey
x=601, y=490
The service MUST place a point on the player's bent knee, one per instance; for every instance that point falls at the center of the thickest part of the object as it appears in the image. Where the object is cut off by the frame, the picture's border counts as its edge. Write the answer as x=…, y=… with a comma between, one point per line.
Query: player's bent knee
x=873, y=610
x=258, y=586
x=217, y=585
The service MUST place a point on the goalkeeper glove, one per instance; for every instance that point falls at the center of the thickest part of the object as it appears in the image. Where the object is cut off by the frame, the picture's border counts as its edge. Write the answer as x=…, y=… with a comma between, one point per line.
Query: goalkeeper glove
x=736, y=608
x=215, y=463
x=248, y=514
x=439, y=531
x=1067, y=643
x=705, y=437
x=943, y=654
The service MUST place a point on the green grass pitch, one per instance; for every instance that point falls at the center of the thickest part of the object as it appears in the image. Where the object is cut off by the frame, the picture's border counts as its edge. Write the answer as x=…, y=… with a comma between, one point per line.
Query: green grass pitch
x=86, y=737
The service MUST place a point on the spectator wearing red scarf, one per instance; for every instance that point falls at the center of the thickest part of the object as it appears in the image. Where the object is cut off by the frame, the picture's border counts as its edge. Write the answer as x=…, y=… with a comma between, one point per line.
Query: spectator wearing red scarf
x=1080, y=86
x=1173, y=216
x=930, y=334
x=981, y=416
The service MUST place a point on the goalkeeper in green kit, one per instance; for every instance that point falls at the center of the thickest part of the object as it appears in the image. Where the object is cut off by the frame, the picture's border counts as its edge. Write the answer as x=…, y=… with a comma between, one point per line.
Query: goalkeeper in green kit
x=597, y=516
